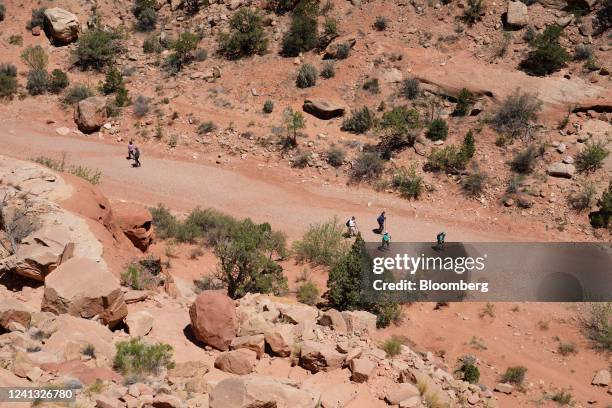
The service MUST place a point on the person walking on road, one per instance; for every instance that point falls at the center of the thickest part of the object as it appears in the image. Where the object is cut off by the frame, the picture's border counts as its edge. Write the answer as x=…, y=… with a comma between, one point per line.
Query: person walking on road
x=130, y=150
x=136, y=157
x=386, y=240
x=352, y=226
x=382, y=220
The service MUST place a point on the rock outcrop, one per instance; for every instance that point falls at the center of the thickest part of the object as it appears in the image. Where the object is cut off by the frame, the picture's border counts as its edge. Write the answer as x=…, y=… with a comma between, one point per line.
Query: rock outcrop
x=517, y=14
x=13, y=311
x=213, y=319
x=90, y=114
x=136, y=223
x=61, y=25
x=322, y=109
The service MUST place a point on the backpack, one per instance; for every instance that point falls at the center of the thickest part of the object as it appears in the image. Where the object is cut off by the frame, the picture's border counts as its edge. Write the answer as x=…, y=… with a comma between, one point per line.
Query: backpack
x=348, y=222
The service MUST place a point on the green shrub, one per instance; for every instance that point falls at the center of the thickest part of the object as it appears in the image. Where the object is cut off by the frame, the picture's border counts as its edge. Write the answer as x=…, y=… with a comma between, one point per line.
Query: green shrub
x=35, y=57
x=548, y=55
x=16, y=39
x=330, y=27
x=97, y=48
x=2, y=12
x=468, y=148
x=58, y=81
x=141, y=106
x=473, y=11
x=598, y=323
x=302, y=34
x=207, y=127
x=392, y=347
x=591, y=157
x=301, y=160
x=268, y=106
x=381, y=23
x=37, y=18
x=562, y=397
x=335, y=156
x=524, y=161
x=246, y=37
x=92, y=176
x=307, y=76
x=474, y=184
x=8, y=81
x=152, y=44
x=136, y=278
x=165, y=223
x=77, y=93
x=139, y=6
x=342, y=51
x=409, y=184
x=565, y=349
x=584, y=199
x=368, y=166
x=210, y=225
x=282, y=6
x=122, y=97
x=294, y=121
x=184, y=48
x=328, y=71
x=146, y=16
x=517, y=115
x=471, y=373
x=137, y=359
x=437, y=129
x=465, y=100
x=582, y=52
x=322, y=244
x=372, y=85
x=411, y=88
x=449, y=159
x=360, y=121
x=113, y=81
x=38, y=80
x=601, y=218
x=308, y=293
x=514, y=375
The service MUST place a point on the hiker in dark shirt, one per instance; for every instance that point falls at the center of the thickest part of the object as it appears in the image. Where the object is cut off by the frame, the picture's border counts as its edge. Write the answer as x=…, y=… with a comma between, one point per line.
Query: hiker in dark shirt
x=136, y=157
x=382, y=219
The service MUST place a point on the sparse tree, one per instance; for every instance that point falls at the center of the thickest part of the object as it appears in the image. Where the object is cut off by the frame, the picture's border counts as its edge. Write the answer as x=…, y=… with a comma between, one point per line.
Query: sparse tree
x=294, y=121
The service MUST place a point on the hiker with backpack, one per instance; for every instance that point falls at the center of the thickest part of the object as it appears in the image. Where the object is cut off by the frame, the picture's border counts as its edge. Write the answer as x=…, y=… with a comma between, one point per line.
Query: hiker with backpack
x=386, y=240
x=440, y=240
x=382, y=219
x=351, y=224
x=136, y=157
x=130, y=150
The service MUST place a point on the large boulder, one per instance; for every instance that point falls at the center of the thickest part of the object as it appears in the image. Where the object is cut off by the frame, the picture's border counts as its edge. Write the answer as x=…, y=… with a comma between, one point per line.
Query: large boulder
x=61, y=26
x=333, y=319
x=213, y=319
x=81, y=287
x=362, y=369
x=261, y=392
x=315, y=356
x=560, y=169
x=12, y=310
x=517, y=15
x=136, y=223
x=241, y=361
x=90, y=114
x=280, y=339
x=359, y=321
x=139, y=323
x=255, y=342
x=322, y=109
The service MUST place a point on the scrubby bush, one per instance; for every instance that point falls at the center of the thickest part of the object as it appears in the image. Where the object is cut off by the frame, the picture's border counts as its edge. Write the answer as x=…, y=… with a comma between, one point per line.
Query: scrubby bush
x=330, y=27
x=473, y=11
x=468, y=147
x=137, y=359
x=152, y=44
x=146, y=16
x=411, y=88
x=37, y=18
x=367, y=167
x=449, y=159
x=165, y=223
x=141, y=5
x=471, y=373
x=38, y=80
x=399, y=130
x=408, y=183
x=360, y=121
x=15, y=39
x=342, y=51
x=302, y=34
x=372, y=85
x=77, y=93
x=322, y=244
x=591, y=157
x=582, y=52
x=524, y=161
x=246, y=37
x=517, y=115
x=183, y=52
x=335, y=156
x=584, y=198
x=35, y=57
x=565, y=349
x=294, y=121
x=98, y=48
x=548, y=55
x=282, y=6
x=308, y=293
x=598, y=323
x=58, y=81
x=113, y=81
x=301, y=160
x=328, y=71
x=562, y=397
x=206, y=127
x=437, y=129
x=474, y=183
x=465, y=100
x=307, y=76
x=514, y=375
x=138, y=278
x=141, y=106
x=268, y=106
x=381, y=23
x=392, y=346
x=601, y=217
x=8, y=81
x=2, y=12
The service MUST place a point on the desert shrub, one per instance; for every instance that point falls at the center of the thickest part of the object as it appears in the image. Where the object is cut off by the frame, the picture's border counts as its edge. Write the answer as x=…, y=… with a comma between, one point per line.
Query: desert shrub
x=302, y=34
x=37, y=18
x=282, y=6
x=604, y=17
x=2, y=12
x=192, y=7
x=8, y=69
x=137, y=359
x=137, y=277
x=473, y=11
x=307, y=76
x=268, y=106
x=206, y=127
x=517, y=115
x=328, y=71
x=165, y=223
x=308, y=293
x=473, y=184
x=524, y=161
x=582, y=52
x=437, y=129
x=89, y=350
x=97, y=48
x=584, y=198
x=465, y=100
x=35, y=57
x=58, y=81
x=409, y=184
x=360, y=121
x=449, y=159
x=372, y=85
x=392, y=346
x=247, y=260
x=601, y=218
x=15, y=39
x=468, y=147
x=343, y=51
x=77, y=93
x=38, y=80
x=322, y=244
x=381, y=23
x=294, y=121
x=471, y=373
x=548, y=55
x=368, y=166
x=301, y=160
x=514, y=375
x=562, y=397
x=565, y=349
x=335, y=156
x=146, y=20
x=598, y=323
x=183, y=52
x=591, y=157
x=141, y=106
x=122, y=97
x=200, y=55
x=8, y=81
x=152, y=44
x=411, y=88
x=90, y=175
x=113, y=81
x=211, y=225
x=330, y=27
x=139, y=6
x=246, y=37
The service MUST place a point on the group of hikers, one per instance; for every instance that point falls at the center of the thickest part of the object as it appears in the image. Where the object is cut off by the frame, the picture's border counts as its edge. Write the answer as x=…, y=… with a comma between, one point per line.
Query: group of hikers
x=133, y=154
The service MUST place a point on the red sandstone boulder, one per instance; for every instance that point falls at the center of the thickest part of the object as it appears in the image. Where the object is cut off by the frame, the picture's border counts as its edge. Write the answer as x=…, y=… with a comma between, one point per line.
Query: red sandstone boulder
x=213, y=319
x=136, y=223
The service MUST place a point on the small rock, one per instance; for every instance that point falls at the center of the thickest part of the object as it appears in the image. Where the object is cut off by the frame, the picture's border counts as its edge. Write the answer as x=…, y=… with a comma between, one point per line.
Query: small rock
x=504, y=388
x=601, y=378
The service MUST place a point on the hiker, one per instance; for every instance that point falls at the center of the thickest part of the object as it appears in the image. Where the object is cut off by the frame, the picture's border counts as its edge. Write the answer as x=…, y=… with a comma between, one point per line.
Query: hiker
x=386, y=240
x=382, y=219
x=136, y=157
x=130, y=150
x=440, y=240
x=352, y=226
